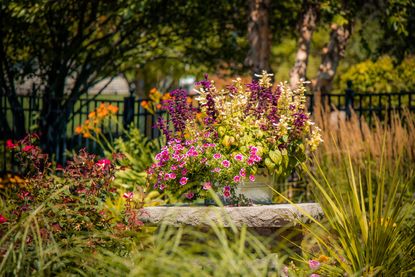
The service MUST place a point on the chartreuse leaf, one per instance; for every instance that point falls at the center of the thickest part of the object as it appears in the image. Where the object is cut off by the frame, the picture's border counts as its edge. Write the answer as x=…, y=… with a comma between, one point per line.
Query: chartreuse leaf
x=269, y=164
x=275, y=156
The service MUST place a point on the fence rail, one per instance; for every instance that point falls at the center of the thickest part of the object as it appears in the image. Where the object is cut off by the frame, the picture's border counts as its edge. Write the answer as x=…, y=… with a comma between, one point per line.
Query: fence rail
x=130, y=111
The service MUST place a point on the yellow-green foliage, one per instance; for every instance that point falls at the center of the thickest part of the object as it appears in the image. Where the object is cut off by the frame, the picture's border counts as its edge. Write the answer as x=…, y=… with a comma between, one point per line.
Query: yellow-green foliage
x=406, y=72
x=382, y=75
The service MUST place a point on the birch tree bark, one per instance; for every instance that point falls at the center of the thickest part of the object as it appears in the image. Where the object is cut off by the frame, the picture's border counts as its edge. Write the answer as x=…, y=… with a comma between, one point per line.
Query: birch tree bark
x=307, y=25
x=332, y=54
x=259, y=36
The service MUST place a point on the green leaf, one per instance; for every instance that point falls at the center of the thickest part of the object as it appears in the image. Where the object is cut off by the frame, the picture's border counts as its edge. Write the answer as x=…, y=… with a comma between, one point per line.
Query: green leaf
x=269, y=164
x=275, y=156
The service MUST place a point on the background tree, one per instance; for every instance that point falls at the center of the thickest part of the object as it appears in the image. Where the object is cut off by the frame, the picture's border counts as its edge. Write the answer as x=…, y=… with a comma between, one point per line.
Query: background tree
x=69, y=46
x=306, y=25
x=259, y=36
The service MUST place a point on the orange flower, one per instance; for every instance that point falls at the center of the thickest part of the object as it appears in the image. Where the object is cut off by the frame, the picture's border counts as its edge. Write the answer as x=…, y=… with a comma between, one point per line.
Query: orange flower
x=189, y=100
x=153, y=90
x=87, y=135
x=113, y=109
x=158, y=106
x=166, y=96
x=323, y=258
x=144, y=104
x=199, y=115
x=78, y=130
x=102, y=113
x=91, y=115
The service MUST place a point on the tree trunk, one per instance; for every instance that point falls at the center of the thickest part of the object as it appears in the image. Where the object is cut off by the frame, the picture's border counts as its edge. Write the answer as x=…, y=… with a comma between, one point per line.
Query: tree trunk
x=307, y=25
x=331, y=56
x=53, y=127
x=7, y=88
x=259, y=37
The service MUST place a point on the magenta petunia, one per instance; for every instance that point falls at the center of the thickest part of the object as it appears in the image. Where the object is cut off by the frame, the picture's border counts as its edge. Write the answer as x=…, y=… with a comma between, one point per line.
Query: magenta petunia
x=252, y=178
x=172, y=175
x=253, y=150
x=239, y=157
x=183, y=181
x=313, y=264
x=242, y=172
x=226, y=163
x=158, y=157
x=217, y=156
x=237, y=178
x=216, y=169
x=226, y=193
x=207, y=185
x=257, y=158
x=189, y=195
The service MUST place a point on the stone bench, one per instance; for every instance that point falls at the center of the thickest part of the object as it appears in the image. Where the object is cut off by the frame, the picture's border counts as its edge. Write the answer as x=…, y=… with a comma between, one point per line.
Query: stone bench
x=269, y=221
x=264, y=216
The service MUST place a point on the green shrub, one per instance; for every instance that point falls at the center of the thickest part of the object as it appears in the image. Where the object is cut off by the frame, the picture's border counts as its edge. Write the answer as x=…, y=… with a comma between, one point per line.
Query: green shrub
x=138, y=154
x=381, y=75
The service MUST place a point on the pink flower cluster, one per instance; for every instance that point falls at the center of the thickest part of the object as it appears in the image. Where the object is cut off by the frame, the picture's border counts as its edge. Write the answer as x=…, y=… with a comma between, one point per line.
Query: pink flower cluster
x=194, y=163
x=171, y=167
x=253, y=157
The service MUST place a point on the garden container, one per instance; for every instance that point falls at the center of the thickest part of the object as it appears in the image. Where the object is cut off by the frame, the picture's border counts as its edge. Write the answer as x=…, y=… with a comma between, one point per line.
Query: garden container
x=258, y=191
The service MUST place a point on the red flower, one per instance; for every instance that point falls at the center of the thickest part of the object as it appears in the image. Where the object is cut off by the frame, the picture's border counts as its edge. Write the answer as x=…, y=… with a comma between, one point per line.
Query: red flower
x=104, y=163
x=2, y=219
x=28, y=148
x=10, y=144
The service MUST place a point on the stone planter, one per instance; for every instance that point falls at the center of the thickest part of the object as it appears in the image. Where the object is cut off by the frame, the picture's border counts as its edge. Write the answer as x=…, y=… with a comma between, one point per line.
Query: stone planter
x=259, y=191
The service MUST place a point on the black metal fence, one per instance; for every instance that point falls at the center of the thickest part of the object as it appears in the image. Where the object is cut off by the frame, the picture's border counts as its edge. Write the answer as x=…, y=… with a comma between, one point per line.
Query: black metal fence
x=130, y=111
x=367, y=105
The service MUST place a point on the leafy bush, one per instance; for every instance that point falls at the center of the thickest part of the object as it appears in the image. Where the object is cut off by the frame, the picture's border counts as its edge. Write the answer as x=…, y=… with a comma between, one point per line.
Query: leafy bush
x=381, y=75
x=138, y=154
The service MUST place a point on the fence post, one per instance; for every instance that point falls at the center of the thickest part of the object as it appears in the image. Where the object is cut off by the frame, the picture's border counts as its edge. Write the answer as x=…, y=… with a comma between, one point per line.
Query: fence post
x=349, y=99
x=128, y=113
